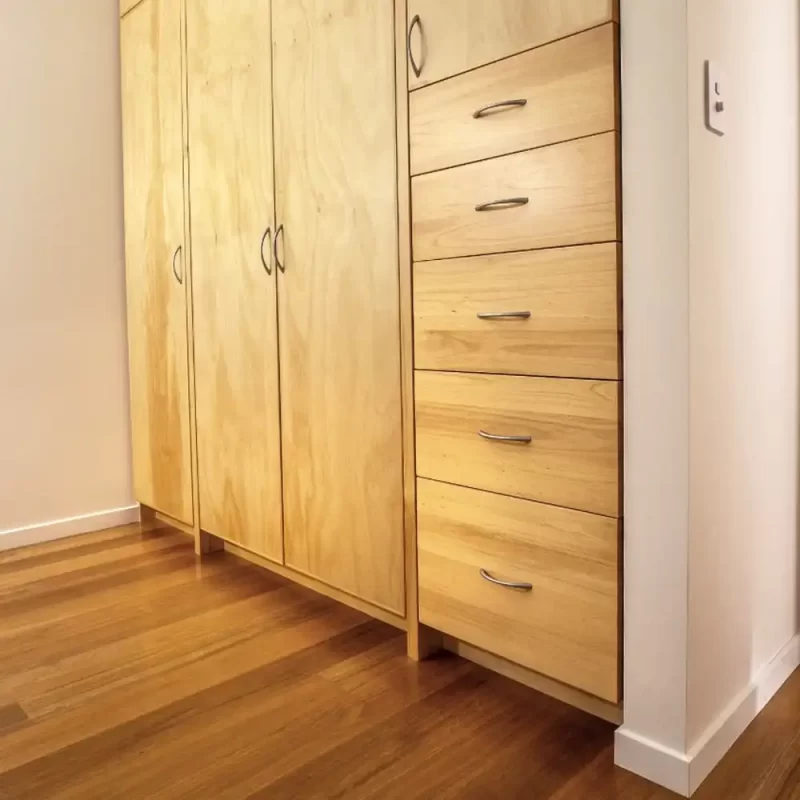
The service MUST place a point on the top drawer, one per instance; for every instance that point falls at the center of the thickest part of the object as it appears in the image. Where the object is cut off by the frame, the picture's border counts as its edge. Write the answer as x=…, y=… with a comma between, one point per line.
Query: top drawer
x=457, y=35
x=565, y=90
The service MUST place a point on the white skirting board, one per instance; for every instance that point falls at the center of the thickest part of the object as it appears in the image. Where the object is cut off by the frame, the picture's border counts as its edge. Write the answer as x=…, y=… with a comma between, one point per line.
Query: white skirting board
x=684, y=772
x=72, y=526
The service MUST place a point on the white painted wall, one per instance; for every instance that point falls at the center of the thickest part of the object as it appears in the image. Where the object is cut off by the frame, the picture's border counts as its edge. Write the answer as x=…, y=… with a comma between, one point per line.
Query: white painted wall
x=64, y=431
x=712, y=594
x=744, y=262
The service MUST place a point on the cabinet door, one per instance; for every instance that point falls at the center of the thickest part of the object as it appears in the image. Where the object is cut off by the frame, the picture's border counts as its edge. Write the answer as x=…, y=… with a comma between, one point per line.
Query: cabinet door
x=232, y=224
x=336, y=190
x=156, y=279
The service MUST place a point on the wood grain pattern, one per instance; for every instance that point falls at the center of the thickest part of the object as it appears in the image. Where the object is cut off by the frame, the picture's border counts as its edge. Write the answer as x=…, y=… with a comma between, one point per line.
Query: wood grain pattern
x=572, y=460
x=458, y=35
x=572, y=199
x=276, y=692
x=157, y=322
x=420, y=641
x=336, y=189
x=567, y=626
x=571, y=294
x=569, y=88
x=236, y=333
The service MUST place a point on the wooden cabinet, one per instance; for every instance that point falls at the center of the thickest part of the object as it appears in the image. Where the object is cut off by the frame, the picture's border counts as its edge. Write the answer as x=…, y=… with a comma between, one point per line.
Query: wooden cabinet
x=552, y=94
x=156, y=257
x=533, y=583
x=235, y=292
x=454, y=36
x=336, y=190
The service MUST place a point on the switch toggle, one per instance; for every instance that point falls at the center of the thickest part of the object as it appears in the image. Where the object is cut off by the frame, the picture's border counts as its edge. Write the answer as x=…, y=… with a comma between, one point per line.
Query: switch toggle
x=715, y=102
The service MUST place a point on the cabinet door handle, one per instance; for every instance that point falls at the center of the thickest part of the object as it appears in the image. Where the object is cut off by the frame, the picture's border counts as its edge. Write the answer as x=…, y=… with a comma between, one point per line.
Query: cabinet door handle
x=278, y=232
x=496, y=437
x=499, y=205
x=522, y=586
x=264, y=238
x=504, y=314
x=414, y=23
x=501, y=106
x=178, y=275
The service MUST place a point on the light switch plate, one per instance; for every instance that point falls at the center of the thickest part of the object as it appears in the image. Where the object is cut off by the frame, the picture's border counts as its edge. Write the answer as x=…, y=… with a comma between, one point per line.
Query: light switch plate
x=715, y=99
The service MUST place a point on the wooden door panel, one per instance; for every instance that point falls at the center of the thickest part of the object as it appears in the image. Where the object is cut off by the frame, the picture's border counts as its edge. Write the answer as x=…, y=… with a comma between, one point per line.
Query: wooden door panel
x=156, y=272
x=336, y=191
x=235, y=320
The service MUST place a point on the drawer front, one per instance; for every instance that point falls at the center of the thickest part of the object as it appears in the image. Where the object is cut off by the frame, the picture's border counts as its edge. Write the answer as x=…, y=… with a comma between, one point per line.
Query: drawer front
x=562, y=195
x=571, y=459
x=568, y=90
x=456, y=35
x=566, y=306
x=566, y=626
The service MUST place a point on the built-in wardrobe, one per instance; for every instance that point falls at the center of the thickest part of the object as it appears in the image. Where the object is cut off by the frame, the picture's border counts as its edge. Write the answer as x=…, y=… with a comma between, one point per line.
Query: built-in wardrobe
x=373, y=260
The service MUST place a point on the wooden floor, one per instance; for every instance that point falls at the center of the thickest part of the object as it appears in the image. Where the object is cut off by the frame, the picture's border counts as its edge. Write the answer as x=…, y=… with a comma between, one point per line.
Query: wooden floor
x=129, y=670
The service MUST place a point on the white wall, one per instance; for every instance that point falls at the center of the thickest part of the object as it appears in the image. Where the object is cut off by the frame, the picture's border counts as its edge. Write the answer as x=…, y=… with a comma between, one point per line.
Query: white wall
x=656, y=309
x=711, y=291
x=64, y=431
x=744, y=262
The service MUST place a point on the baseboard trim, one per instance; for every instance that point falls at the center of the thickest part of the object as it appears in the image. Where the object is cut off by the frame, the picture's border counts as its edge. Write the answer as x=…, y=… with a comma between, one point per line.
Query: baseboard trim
x=71, y=526
x=684, y=772
x=732, y=722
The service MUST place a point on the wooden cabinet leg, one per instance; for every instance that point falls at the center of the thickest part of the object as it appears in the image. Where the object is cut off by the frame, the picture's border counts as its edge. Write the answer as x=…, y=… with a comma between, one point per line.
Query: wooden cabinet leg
x=422, y=642
x=207, y=543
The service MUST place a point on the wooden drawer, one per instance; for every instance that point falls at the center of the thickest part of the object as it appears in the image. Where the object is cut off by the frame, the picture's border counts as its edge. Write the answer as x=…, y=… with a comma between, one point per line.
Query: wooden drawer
x=456, y=35
x=570, y=294
x=569, y=191
x=566, y=626
x=572, y=458
x=568, y=89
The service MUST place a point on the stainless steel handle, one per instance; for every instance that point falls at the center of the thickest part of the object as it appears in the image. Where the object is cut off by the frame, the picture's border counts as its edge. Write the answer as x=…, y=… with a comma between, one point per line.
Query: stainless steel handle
x=504, y=314
x=501, y=106
x=496, y=437
x=178, y=276
x=414, y=23
x=278, y=232
x=507, y=202
x=264, y=238
x=520, y=585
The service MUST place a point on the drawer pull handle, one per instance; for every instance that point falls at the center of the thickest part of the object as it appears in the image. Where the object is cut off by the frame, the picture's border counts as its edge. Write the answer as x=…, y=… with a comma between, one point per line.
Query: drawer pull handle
x=178, y=275
x=501, y=106
x=267, y=267
x=496, y=437
x=519, y=585
x=498, y=205
x=278, y=232
x=414, y=23
x=504, y=314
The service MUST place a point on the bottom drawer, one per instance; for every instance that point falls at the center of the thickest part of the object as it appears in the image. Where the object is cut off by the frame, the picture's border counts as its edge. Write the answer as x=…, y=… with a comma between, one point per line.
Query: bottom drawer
x=565, y=625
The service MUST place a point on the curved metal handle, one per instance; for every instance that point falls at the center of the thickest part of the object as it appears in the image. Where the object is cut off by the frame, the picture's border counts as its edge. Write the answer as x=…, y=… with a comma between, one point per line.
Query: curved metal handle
x=278, y=232
x=178, y=276
x=414, y=22
x=267, y=267
x=498, y=205
x=501, y=106
x=519, y=585
x=496, y=437
x=504, y=314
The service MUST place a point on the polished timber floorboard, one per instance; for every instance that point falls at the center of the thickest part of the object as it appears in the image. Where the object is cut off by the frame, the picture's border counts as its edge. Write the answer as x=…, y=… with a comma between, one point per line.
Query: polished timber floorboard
x=129, y=670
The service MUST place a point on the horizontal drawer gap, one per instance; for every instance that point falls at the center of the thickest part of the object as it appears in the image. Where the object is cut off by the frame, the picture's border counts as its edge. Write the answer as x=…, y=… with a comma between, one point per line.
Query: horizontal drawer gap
x=517, y=497
x=515, y=152
x=528, y=250
x=511, y=55
x=517, y=375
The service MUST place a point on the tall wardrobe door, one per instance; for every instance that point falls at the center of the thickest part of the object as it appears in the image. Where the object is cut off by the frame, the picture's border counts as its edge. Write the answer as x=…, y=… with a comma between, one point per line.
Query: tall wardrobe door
x=232, y=228
x=155, y=255
x=336, y=190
